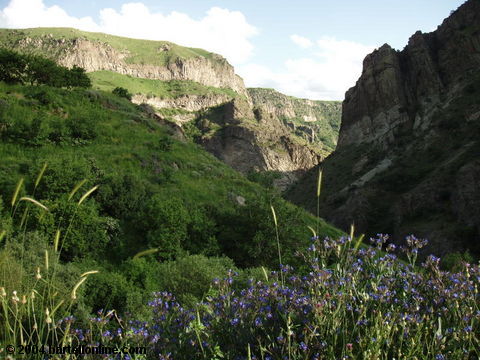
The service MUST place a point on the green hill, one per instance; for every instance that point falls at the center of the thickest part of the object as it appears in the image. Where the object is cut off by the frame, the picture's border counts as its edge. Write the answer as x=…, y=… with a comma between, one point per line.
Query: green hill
x=158, y=53
x=156, y=190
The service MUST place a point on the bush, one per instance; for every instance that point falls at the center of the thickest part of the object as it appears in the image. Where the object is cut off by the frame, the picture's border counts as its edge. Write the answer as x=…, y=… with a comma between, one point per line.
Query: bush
x=455, y=261
x=122, y=92
x=165, y=222
x=191, y=277
x=12, y=66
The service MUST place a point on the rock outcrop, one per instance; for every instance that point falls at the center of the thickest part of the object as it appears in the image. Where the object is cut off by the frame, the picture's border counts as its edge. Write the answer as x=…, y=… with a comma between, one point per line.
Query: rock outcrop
x=187, y=102
x=407, y=159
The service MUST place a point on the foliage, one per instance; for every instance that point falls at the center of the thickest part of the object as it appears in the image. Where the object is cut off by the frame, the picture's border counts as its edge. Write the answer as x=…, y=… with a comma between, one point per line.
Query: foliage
x=12, y=66
x=264, y=178
x=122, y=92
x=17, y=68
x=191, y=277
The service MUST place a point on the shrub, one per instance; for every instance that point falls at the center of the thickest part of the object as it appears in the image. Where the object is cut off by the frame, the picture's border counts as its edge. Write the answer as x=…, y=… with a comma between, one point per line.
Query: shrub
x=165, y=222
x=18, y=68
x=191, y=277
x=122, y=92
x=12, y=66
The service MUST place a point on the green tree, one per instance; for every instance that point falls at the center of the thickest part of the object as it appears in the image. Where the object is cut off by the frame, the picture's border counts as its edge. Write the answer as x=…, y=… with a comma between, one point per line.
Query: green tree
x=77, y=77
x=12, y=66
x=44, y=71
x=165, y=221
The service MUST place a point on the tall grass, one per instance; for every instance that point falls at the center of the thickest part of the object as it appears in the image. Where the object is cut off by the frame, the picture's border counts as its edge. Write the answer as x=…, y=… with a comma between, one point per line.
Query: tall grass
x=29, y=313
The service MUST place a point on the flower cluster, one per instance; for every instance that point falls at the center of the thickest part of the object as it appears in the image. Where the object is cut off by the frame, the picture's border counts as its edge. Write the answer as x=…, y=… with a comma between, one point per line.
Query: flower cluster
x=349, y=302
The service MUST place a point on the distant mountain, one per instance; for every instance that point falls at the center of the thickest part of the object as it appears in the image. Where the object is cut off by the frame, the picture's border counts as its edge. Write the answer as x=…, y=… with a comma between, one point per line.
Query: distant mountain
x=408, y=154
x=197, y=90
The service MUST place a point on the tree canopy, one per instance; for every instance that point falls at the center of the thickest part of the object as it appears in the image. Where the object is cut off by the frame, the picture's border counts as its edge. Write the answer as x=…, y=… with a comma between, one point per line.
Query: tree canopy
x=16, y=68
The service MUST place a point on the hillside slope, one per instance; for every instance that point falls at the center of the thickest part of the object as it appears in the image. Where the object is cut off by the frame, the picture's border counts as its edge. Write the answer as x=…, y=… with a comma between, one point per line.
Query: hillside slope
x=187, y=86
x=156, y=189
x=408, y=152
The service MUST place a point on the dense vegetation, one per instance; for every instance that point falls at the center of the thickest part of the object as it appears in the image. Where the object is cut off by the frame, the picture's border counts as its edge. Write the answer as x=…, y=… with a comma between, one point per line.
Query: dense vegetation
x=106, y=211
x=156, y=190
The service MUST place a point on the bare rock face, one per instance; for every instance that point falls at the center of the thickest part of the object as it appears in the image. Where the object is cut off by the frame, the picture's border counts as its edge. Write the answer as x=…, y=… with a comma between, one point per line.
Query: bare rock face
x=395, y=85
x=417, y=108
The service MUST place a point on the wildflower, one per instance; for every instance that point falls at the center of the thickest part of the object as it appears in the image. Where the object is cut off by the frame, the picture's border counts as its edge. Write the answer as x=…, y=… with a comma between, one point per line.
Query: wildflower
x=349, y=347
x=2, y=292
x=391, y=247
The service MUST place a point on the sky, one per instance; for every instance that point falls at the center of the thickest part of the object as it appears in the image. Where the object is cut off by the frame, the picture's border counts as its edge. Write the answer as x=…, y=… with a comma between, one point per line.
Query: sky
x=306, y=48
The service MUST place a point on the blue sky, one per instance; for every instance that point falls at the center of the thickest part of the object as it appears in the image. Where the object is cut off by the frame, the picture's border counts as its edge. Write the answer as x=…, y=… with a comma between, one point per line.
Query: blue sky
x=305, y=48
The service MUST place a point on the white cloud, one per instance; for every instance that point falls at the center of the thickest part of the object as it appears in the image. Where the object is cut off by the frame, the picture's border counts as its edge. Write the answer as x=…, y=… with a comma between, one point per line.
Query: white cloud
x=34, y=13
x=333, y=67
x=220, y=30
x=301, y=41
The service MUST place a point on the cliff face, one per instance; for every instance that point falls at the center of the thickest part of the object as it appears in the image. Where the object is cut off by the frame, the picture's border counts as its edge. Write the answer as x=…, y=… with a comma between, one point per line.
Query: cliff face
x=395, y=86
x=408, y=154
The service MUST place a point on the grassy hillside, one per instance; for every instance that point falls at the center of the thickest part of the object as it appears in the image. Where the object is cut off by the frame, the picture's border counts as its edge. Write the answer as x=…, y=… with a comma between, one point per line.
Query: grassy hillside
x=156, y=190
x=138, y=51
x=109, y=80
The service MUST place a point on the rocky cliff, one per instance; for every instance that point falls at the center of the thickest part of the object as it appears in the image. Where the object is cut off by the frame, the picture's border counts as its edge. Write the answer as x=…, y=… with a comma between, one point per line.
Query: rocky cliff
x=408, y=154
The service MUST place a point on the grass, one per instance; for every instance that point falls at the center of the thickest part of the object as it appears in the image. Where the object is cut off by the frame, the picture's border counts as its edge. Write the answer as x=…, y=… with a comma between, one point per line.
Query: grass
x=139, y=51
x=109, y=80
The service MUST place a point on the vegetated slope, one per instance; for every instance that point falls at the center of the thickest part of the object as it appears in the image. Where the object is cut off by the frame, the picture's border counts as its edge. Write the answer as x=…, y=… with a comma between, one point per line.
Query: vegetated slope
x=407, y=159
x=156, y=189
x=316, y=121
x=190, y=86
